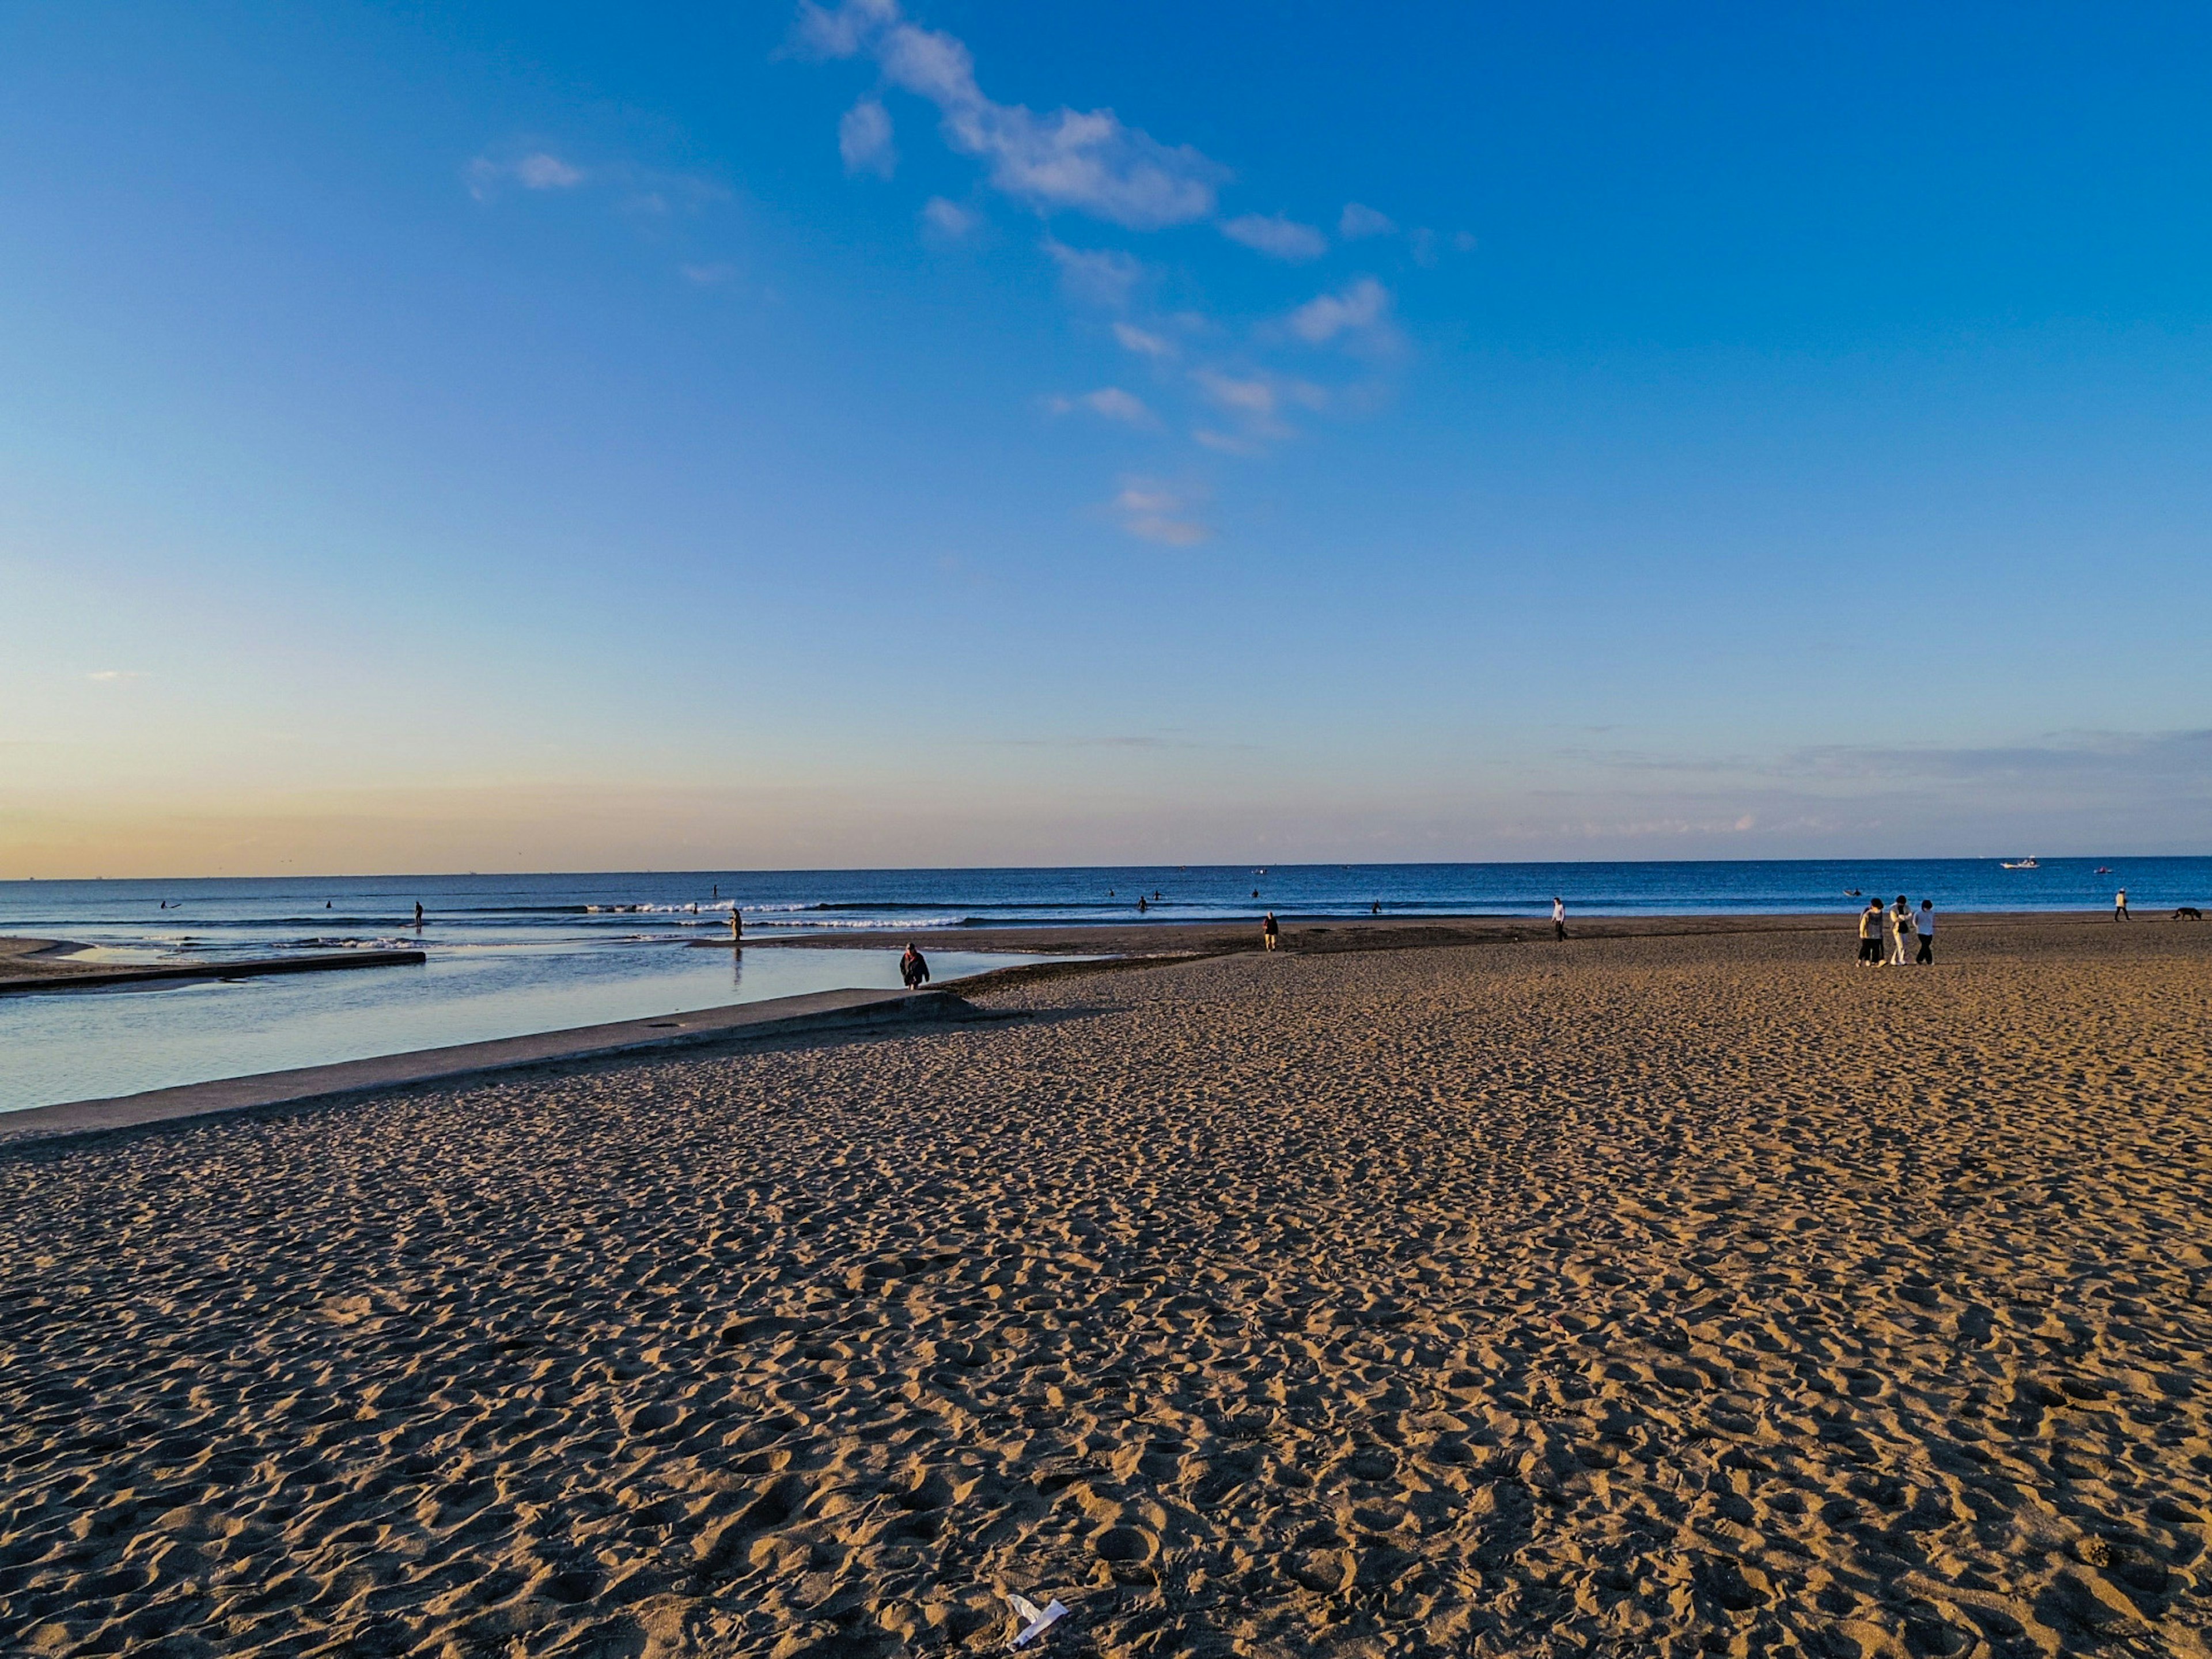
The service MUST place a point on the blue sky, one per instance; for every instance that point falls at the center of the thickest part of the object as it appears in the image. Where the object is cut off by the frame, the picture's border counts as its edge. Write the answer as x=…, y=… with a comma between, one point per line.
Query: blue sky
x=530, y=437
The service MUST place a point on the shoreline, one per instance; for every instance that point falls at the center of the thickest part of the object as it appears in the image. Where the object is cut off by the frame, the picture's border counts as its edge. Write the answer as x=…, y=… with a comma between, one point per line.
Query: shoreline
x=1073, y=951
x=1331, y=934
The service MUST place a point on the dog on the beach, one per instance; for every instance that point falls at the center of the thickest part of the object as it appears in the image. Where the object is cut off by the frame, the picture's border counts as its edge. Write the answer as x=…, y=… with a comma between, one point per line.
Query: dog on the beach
x=2188, y=913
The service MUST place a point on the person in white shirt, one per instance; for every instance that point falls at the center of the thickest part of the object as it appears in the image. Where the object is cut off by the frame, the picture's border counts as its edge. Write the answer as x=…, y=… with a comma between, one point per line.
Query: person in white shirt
x=1926, y=922
x=1900, y=933
x=2120, y=906
x=1558, y=918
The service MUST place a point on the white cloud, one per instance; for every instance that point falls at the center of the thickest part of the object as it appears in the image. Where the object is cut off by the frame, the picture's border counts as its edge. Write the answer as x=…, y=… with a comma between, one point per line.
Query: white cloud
x=949, y=219
x=1254, y=404
x=1254, y=396
x=544, y=171
x=863, y=140
x=1154, y=512
x=1276, y=237
x=1260, y=394
x=1085, y=161
x=1360, y=307
x=1356, y=222
x=1110, y=402
x=708, y=276
x=838, y=32
x=538, y=170
x=113, y=676
x=1098, y=276
x=1228, y=443
x=1143, y=342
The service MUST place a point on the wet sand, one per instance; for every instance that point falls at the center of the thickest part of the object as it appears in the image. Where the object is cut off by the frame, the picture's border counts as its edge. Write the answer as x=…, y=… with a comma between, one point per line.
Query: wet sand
x=41, y=959
x=1666, y=1293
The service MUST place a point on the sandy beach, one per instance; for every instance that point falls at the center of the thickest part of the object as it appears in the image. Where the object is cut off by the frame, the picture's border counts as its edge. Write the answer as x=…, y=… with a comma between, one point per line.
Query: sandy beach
x=1663, y=1292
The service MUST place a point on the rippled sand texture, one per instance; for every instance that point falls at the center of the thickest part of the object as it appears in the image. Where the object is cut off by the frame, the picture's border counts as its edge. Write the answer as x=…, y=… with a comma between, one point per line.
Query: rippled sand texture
x=1641, y=1296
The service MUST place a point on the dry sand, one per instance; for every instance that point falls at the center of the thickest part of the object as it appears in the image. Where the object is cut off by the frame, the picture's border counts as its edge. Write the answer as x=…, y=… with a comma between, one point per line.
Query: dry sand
x=1647, y=1295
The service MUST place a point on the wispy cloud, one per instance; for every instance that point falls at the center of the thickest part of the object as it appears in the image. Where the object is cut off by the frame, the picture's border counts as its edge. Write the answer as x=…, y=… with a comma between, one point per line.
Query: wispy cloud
x=1110, y=403
x=1276, y=237
x=2087, y=757
x=947, y=219
x=633, y=189
x=538, y=170
x=1143, y=341
x=1125, y=740
x=706, y=275
x=113, y=676
x=1255, y=403
x=863, y=140
x=1356, y=222
x=1086, y=162
x=1105, y=278
x=1154, y=512
x=1360, y=308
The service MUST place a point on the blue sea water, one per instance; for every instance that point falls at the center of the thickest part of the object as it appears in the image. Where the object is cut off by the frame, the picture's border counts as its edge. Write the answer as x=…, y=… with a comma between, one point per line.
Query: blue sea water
x=510, y=955
x=253, y=915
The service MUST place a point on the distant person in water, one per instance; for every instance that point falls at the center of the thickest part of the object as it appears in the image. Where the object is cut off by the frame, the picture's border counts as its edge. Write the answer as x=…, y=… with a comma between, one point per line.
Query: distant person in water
x=1559, y=917
x=914, y=968
x=1871, y=934
x=2120, y=906
x=1376, y=909
x=418, y=916
x=737, y=927
x=1270, y=935
x=1141, y=906
x=1926, y=923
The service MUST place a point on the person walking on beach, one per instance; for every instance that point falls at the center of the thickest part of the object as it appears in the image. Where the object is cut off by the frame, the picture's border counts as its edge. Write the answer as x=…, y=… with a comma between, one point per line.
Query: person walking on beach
x=1926, y=923
x=1871, y=934
x=1559, y=917
x=1269, y=933
x=1900, y=928
x=914, y=968
x=2120, y=906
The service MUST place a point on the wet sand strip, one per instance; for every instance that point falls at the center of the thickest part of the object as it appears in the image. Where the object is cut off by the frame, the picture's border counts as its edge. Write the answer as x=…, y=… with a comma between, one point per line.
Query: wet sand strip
x=63, y=975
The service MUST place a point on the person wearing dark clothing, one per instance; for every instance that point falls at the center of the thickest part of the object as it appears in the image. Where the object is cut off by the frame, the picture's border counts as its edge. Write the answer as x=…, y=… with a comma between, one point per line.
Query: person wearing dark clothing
x=1269, y=933
x=1558, y=918
x=913, y=969
x=1870, y=933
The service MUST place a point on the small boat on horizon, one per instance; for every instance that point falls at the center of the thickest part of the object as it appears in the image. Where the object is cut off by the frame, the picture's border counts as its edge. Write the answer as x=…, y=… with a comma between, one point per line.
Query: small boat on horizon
x=2028, y=863
x=2102, y=869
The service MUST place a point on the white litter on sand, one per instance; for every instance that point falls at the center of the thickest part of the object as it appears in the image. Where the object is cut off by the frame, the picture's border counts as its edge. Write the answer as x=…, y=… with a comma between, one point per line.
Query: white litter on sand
x=1037, y=1621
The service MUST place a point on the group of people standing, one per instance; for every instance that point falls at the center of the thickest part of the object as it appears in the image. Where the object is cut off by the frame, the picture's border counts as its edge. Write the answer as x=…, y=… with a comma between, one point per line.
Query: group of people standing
x=1899, y=929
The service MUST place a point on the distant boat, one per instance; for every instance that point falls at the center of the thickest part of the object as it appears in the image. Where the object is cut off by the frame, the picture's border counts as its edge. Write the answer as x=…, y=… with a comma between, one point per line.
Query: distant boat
x=2102, y=869
x=2028, y=863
